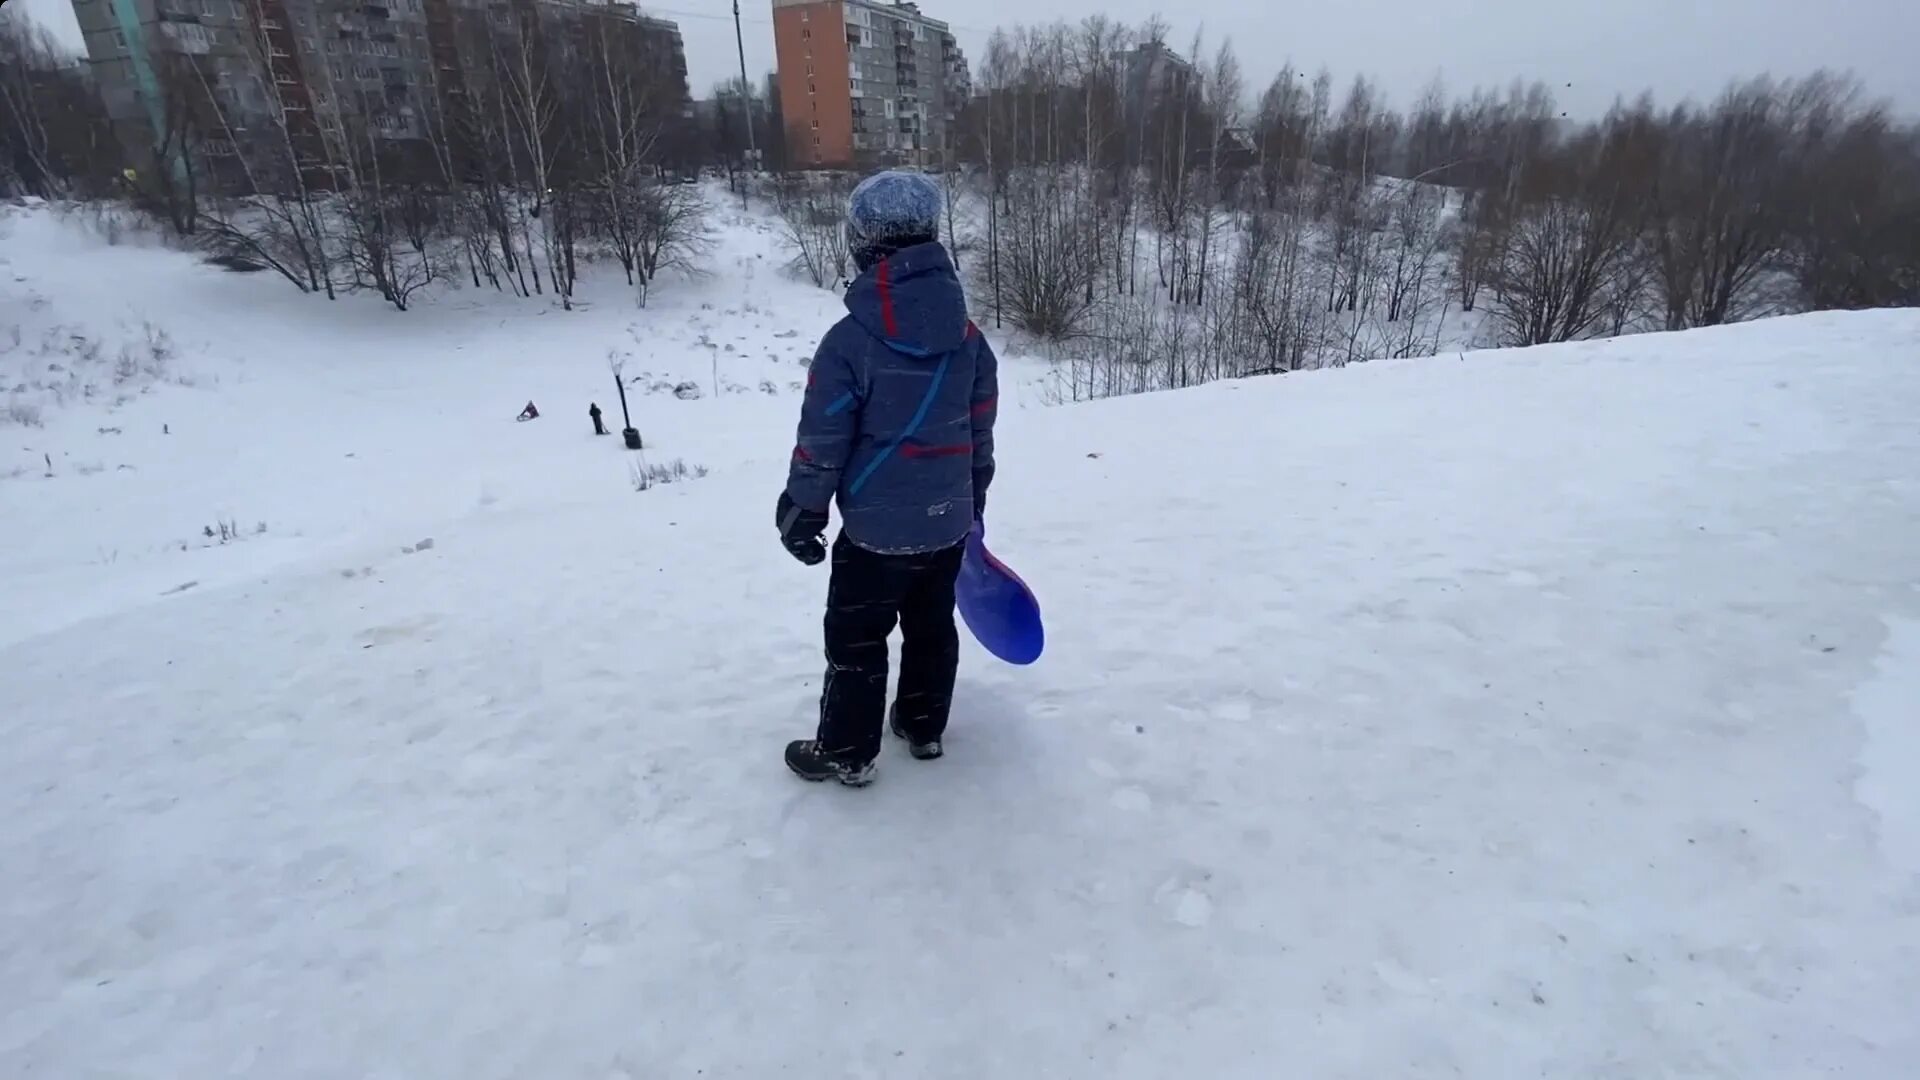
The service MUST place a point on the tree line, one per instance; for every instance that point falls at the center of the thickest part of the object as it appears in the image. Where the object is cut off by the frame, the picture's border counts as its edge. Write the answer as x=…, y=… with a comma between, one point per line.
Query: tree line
x=1158, y=225
x=543, y=144
x=1136, y=206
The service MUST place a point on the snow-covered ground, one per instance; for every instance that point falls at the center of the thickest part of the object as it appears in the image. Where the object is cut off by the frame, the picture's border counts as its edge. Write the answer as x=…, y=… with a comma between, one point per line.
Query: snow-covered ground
x=1509, y=715
x=338, y=425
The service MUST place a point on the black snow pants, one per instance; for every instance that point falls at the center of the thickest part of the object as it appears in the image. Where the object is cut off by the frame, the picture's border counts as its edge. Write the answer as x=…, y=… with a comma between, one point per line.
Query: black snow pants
x=868, y=595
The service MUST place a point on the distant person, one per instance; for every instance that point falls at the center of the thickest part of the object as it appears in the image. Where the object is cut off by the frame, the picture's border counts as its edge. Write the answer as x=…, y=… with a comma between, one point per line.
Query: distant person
x=593, y=410
x=897, y=427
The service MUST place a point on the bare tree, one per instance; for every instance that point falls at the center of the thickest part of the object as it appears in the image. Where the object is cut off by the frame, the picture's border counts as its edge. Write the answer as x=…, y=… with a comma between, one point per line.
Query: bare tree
x=624, y=118
x=1223, y=91
x=813, y=216
x=1575, y=231
x=279, y=220
x=671, y=231
x=1718, y=224
x=1855, y=241
x=530, y=101
x=29, y=65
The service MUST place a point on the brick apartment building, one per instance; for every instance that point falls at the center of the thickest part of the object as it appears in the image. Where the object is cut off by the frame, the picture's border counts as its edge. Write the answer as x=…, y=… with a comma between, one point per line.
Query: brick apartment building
x=325, y=65
x=867, y=82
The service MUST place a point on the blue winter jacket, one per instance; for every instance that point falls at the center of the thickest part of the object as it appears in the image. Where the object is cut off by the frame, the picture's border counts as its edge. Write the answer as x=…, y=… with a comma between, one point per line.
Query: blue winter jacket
x=899, y=411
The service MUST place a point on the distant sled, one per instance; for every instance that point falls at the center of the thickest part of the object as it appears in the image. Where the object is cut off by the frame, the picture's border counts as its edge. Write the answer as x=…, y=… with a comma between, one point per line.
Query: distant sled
x=997, y=606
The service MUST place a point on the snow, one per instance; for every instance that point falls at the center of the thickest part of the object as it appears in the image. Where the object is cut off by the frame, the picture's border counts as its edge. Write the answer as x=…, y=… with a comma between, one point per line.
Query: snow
x=1510, y=714
x=1887, y=705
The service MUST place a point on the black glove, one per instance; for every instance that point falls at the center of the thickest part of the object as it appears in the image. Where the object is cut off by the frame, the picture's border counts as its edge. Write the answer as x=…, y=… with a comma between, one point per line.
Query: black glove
x=800, y=530
x=981, y=478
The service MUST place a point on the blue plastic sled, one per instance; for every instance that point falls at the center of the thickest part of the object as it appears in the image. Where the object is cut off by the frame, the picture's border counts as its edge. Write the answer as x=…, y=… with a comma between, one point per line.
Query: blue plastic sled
x=997, y=606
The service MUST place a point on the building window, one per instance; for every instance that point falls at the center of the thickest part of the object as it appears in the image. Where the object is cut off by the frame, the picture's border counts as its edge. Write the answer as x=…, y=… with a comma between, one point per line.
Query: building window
x=805, y=15
x=816, y=125
x=806, y=34
x=811, y=89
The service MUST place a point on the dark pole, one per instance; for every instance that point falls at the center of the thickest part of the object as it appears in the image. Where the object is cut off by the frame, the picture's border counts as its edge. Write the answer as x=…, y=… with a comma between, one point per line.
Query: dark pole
x=629, y=433
x=746, y=98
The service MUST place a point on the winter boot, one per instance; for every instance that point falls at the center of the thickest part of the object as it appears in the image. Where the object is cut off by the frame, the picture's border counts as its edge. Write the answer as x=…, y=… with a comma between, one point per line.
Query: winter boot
x=922, y=751
x=809, y=762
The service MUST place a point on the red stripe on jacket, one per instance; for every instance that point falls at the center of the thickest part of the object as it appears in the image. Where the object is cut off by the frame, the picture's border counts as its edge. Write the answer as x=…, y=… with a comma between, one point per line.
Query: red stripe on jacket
x=884, y=285
x=950, y=450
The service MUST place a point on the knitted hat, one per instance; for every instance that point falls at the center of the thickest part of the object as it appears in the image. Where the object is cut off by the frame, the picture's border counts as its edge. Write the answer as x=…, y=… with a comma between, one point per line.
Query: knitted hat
x=891, y=211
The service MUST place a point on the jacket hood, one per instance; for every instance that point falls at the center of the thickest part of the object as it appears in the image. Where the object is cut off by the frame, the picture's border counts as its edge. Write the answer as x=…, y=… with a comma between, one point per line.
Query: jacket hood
x=912, y=300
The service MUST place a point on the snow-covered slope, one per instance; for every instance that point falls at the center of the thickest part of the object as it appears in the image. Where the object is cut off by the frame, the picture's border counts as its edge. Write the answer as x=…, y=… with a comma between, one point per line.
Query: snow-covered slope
x=1513, y=715
x=339, y=424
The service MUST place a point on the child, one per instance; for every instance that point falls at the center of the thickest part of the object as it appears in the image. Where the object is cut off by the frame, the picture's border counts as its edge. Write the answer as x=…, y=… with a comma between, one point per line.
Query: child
x=897, y=427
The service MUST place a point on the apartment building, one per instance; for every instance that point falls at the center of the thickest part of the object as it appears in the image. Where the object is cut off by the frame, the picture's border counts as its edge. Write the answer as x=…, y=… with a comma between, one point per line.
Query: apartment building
x=328, y=69
x=867, y=82
x=212, y=67
x=1154, y=73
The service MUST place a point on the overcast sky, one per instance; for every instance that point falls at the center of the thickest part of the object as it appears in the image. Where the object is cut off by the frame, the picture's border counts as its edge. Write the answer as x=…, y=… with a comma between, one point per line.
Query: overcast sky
x=1677, y=48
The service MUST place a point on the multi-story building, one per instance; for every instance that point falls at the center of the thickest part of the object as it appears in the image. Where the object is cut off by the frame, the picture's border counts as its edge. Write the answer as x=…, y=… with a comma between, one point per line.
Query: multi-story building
x=532, y=47
x=867, y=81
x=1153, y=74
x=370, y=67
x=211, y=70
x=310, y=74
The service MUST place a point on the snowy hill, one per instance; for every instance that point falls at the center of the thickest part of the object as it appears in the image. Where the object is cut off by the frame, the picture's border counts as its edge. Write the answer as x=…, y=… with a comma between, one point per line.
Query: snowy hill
x=1533, y=714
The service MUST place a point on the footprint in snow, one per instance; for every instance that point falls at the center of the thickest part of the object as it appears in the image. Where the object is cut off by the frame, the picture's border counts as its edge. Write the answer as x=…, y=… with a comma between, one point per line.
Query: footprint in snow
x=1237, y=711
x=1184, y=904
